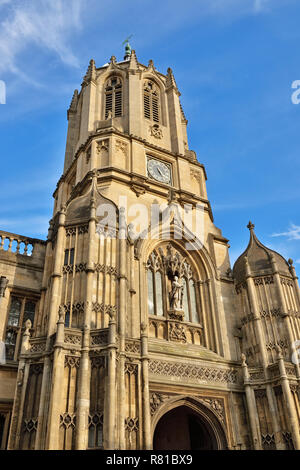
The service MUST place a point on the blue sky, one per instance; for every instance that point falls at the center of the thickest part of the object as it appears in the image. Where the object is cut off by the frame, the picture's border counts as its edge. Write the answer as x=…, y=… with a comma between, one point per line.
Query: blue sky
x=234, y=62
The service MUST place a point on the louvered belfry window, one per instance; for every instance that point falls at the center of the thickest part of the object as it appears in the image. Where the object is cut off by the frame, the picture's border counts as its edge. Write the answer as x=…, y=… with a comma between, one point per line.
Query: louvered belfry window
x=151, y=101
x=113, y=97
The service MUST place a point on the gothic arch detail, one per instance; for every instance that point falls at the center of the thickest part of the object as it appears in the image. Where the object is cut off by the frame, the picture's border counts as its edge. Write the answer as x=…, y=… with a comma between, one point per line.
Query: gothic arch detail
x=210, y=417
x=179, y=302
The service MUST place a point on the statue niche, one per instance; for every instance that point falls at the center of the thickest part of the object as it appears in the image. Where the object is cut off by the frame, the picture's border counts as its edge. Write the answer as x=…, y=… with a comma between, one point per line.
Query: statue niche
x=176, y=299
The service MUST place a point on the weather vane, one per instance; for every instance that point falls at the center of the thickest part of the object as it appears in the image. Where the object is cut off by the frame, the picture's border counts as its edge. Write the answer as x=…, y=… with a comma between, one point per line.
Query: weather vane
x=127, y=47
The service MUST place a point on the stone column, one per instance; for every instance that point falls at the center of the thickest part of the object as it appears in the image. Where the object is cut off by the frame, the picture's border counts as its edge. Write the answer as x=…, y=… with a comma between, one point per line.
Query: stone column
x=213, y=314
x=44, y=400
x=111, y=386
x=291, y=409
x=20, y=390
x=145, y=389
x=57, y=380
x=56, y=275
x=44, y=397
x=295, y=279
x=262, y=347
x=122, y=329
x=203, y=312
x=83, y=394
x=251, y=405
x=284, y=311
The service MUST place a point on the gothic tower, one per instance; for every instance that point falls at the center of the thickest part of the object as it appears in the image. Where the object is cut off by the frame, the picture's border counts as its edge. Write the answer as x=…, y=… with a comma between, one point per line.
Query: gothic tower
x=127, y=328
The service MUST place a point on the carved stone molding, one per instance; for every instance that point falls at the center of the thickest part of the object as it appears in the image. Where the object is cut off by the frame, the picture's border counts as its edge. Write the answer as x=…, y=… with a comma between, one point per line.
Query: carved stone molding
x=260, y=281
x=131, y=424
x=286, y=282
x=122, y=146
x=282, y=343
x=194, y=372
x=68, y=420
x=156, y=400
x=30, y=425
x=102, y=145
x=104, y=308
x=99, y=338
x=274, y=312
x=260, y=393
x=97, y=362
x=133, y=346
x=106, y=269
x=156, y=131
x=37, y=345
x=257, y=375
x=71, y=231
x=217, y=406
x=196, y=174
x=176, y=332
x=131, y=368
x=73, y=338
x=77, y=307
x=72, y=361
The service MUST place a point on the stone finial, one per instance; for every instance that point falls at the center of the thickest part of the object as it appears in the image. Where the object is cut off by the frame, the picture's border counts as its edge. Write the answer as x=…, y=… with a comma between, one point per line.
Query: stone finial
x=150, y=64
x=50, y=229
x=290, y=261
x=91, y=72
x=112, y=60
x=243, y=359
x=170, y=79
x=133, y=64
x=74, y=101
x=250, y=226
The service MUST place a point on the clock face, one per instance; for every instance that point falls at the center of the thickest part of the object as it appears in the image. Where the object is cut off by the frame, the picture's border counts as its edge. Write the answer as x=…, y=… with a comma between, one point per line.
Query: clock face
x=159, y=171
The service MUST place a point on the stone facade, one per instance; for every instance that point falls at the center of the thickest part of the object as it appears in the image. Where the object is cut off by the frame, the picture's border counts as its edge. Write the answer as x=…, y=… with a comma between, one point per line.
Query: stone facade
x=104, y=349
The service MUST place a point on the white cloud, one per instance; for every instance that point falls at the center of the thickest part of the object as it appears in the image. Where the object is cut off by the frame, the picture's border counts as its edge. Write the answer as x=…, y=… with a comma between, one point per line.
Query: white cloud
x=293, y=233
x=259, y=5
x=48, y=24
x=297, y=261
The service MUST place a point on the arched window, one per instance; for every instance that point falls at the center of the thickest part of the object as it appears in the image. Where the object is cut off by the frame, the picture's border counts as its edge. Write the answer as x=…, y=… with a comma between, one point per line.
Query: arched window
x=151, y=101
x=20, y=310
x=162, y=267
x=113, y=97
x=155, y=285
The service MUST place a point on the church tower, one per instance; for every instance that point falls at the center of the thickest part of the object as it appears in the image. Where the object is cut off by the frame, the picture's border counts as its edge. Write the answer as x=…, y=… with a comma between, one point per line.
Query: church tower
x=141, y=336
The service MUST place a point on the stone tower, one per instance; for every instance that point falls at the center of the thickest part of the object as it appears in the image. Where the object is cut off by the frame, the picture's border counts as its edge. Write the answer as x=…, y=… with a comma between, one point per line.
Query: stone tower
x=127, y=328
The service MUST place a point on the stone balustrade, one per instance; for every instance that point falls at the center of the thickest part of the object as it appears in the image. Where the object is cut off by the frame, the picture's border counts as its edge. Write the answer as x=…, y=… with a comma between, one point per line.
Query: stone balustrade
x=18, y=244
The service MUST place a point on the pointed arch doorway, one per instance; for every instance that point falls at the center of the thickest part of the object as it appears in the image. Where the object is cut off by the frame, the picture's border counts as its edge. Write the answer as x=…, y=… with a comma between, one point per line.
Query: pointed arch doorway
x=189, y=426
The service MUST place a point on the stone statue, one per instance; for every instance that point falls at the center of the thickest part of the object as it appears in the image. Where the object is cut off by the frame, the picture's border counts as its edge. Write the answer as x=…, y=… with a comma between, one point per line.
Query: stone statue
x=176, y=294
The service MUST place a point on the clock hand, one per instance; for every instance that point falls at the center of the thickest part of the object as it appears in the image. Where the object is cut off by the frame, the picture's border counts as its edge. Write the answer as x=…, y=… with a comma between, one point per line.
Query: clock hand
x=160, y=172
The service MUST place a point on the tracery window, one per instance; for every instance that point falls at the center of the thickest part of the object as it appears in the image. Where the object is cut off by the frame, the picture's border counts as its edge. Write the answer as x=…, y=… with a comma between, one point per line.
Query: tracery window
x=113, y=97
x=163, y=266
x=151, y=101
x=21, y=309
